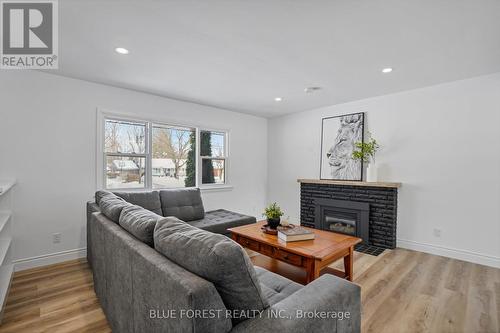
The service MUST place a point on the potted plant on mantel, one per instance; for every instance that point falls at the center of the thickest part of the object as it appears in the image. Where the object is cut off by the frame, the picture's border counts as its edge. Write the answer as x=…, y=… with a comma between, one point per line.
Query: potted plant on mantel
x=365, y=151
x=273, y=213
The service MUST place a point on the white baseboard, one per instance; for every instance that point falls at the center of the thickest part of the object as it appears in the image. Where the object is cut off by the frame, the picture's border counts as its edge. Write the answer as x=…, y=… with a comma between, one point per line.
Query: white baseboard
x=465, y=255
x=54, y=258
x=49, y=259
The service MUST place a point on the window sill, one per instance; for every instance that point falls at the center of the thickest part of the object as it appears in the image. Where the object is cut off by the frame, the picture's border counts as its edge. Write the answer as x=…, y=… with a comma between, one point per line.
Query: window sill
x=213, y=188
x=216, y=188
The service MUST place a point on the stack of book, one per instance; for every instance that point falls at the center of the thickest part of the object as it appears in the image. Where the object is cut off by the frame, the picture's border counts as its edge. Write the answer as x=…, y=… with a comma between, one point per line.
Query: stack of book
x=294, y=234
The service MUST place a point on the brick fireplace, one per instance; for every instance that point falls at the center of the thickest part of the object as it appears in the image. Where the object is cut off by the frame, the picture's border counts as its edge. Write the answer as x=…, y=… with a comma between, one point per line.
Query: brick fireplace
x=367, y=210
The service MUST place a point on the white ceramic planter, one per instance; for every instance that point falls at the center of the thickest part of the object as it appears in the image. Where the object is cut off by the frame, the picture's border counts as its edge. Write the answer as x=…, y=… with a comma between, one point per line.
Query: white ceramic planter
x=372, y=172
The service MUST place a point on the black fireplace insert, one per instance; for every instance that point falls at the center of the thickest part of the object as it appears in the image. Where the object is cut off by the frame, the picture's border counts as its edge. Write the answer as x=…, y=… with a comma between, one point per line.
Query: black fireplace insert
x=342, y=216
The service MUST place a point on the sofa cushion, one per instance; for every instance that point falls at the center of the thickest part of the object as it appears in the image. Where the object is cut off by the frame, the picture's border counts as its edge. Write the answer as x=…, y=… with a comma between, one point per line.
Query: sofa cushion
x=99, y=194
x=112, y=206
x=214, y=257
x=149, y=200
x=275, y=287
x=185, y=204
x=139, y=222
x=220, y=220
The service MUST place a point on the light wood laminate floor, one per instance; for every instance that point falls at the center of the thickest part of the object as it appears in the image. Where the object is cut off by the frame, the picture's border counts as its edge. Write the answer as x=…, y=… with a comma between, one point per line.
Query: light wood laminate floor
x=402, y=291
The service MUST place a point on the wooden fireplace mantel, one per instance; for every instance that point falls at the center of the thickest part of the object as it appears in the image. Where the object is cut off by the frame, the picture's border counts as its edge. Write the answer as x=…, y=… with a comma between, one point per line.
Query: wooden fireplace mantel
x=350, y=183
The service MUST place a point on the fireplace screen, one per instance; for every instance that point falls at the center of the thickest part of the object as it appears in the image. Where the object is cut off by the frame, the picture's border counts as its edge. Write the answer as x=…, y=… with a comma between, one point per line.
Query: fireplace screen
x=340, y=222
x=343, y=216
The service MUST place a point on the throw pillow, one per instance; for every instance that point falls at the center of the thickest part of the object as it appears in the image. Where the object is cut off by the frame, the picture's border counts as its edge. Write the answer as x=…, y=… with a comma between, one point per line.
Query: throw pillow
x=139, y=222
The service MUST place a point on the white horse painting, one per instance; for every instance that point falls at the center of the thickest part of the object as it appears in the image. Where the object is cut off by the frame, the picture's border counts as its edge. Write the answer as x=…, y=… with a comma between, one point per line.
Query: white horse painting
x=339, y=137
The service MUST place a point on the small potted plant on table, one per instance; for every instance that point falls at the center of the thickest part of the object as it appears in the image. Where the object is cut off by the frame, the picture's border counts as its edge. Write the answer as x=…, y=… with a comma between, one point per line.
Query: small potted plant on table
x=273, y=213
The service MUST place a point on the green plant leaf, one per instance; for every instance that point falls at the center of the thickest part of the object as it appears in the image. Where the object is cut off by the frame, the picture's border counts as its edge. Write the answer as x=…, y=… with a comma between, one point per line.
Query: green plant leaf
x=365, y=150
x=273, y=211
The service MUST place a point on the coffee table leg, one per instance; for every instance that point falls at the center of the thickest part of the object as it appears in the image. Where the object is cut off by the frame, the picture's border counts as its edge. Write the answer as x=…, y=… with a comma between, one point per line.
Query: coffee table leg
x=312, y=270
x=309, y=270
x=348, y=264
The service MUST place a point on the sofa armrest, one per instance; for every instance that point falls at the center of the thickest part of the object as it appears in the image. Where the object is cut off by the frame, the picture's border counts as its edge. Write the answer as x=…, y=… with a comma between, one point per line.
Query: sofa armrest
x=315, y=308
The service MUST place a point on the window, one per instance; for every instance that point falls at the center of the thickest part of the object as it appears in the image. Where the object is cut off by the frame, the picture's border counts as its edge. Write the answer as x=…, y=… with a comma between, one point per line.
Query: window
x=153, y=155
x=213, y=157
x=171, y=149
x=125, y=154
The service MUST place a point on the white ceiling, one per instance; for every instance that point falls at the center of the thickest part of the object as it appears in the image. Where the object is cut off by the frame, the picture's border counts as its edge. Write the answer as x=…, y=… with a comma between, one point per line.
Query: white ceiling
x=240, y=55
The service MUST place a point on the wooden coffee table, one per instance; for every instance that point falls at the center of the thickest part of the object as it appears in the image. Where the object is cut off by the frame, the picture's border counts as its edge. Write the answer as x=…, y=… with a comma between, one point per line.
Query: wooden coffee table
x=313, y=256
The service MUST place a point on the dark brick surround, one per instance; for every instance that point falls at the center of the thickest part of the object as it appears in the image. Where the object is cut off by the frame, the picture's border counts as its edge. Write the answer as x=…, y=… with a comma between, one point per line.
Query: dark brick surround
x=383, y=207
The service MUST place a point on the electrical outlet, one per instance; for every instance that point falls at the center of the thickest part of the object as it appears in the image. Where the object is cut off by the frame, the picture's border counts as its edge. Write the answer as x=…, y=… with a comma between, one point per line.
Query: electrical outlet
x=56, y=238
x=437, y=232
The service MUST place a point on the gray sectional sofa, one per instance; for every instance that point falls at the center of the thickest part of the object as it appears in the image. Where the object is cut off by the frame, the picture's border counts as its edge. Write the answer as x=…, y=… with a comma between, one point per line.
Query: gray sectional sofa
x=162, y=264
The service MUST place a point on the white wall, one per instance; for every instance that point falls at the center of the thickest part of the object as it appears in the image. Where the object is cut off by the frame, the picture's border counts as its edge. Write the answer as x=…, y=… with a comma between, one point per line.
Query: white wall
x=443, y=144
x=48, y=142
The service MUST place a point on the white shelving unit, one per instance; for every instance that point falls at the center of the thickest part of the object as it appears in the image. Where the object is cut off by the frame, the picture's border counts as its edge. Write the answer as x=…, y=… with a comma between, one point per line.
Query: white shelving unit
x=6, y=220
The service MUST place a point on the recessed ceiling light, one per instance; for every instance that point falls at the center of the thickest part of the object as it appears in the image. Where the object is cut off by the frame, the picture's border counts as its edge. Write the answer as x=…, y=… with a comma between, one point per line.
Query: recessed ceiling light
x=387, y=70
x=121, y=50
x=278, y=99
x=310, y=90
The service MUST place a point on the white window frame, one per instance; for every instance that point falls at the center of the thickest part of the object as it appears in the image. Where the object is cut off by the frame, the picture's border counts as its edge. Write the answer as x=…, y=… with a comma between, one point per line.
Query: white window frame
x=145, y=155
x=103, y=115
x=201, y=158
